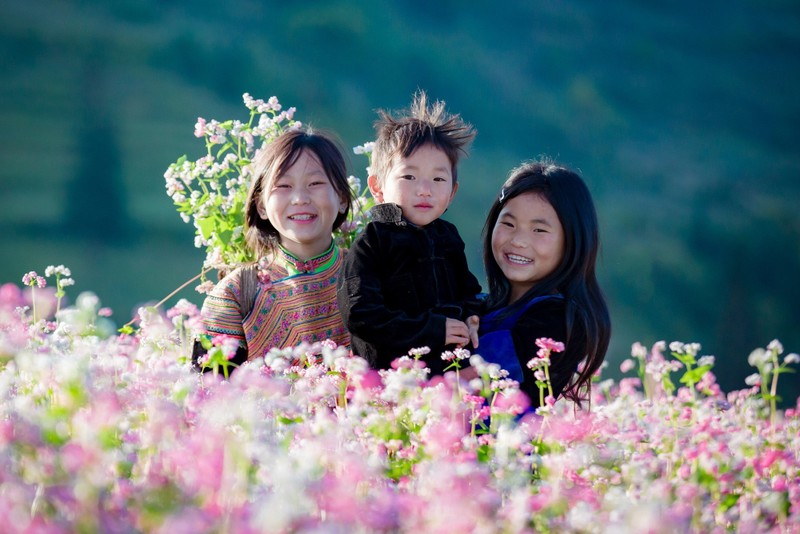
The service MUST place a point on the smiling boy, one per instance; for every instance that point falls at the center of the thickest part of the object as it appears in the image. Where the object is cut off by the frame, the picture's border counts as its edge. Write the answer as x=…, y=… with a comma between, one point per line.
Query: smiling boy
x=405, y=282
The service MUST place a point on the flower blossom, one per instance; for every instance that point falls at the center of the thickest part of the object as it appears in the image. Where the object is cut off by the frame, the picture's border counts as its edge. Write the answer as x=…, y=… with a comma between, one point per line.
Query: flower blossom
x=32, y=279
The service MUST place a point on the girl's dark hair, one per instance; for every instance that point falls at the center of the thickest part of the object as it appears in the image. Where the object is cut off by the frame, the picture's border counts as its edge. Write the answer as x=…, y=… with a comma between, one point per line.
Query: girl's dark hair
x=574, y=277
x=274, y=160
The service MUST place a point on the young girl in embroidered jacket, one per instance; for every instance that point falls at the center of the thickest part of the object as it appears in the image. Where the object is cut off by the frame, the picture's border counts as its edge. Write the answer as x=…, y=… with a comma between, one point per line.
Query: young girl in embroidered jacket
x=540, y=245
x=299, y=195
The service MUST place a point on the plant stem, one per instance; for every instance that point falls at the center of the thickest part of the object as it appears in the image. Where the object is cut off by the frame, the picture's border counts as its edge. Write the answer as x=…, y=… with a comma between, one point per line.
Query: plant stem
x=172, y=294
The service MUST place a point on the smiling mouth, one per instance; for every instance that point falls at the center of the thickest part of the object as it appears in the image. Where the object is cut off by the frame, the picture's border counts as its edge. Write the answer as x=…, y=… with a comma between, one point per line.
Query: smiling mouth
x=302, y=217
x=518, y=260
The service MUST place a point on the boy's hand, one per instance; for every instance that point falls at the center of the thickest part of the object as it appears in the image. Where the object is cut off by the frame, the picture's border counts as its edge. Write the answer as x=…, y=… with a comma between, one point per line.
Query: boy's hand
x=456, y=332
x=473, y=322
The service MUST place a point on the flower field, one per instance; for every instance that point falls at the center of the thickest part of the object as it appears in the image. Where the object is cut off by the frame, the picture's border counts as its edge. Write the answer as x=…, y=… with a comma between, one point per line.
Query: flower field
x=101, y=432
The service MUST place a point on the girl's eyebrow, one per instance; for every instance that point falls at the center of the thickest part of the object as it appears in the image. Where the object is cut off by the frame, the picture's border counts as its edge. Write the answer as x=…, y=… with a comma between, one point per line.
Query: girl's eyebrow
x=533, y=221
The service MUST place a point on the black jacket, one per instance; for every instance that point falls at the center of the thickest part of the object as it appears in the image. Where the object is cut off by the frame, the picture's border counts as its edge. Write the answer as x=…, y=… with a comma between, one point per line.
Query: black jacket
x=399, y=284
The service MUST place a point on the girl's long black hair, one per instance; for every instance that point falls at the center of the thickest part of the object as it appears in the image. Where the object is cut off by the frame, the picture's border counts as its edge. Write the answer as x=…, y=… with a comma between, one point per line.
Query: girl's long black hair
x=574, y=277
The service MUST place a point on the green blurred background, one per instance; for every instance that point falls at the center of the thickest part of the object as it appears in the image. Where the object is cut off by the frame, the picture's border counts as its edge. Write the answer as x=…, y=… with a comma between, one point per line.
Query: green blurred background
x=682, y=117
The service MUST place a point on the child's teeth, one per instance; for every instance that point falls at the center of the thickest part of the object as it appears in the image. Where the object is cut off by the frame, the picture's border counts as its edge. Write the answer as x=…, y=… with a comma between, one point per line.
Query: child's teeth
x=518, y=259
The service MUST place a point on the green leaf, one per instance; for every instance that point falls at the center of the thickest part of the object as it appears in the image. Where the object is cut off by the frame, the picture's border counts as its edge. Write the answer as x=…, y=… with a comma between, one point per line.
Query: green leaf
x=728, y=501
x=206, y=226
x=694, y=376
x=685, y=359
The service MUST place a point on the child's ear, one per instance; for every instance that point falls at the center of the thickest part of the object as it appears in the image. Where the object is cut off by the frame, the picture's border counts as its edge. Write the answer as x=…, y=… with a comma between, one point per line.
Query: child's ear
x=375, y=187
x=453, y=193
x=262, y=210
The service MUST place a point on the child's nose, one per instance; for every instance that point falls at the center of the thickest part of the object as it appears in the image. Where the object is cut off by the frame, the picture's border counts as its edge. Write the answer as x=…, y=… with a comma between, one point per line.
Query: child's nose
x=300, y=197
x=517, y=241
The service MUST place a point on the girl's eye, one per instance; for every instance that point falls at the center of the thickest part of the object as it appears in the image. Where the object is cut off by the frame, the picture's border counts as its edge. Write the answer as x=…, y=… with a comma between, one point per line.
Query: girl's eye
x=507, y=224
x=539, y=231
x=407, y=177
x=439, y=179
x=281, y=186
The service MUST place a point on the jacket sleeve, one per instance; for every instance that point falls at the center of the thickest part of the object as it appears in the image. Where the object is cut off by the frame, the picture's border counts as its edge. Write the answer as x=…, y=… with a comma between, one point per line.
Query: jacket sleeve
x=363, y=309
x=469, y=287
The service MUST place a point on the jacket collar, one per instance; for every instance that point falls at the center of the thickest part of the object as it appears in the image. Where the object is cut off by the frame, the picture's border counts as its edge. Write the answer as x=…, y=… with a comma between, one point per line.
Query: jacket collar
x=388, y=212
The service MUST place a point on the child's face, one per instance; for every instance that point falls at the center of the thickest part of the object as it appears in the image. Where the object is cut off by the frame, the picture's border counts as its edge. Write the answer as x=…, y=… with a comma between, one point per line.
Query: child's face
x=421, y=184
x=527, y=241
x=302, y=205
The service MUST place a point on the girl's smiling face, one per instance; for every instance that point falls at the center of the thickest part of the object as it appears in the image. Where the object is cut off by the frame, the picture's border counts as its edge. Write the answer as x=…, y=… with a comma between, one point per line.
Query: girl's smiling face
x=302, y=206
x=527, y=242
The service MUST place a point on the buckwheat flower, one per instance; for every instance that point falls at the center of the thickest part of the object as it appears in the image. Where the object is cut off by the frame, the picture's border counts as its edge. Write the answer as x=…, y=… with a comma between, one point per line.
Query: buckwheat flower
x=753, y=380
x=419, y=352
x=60, y=270
x=104, y=312
x=758, y=357
x=66, y=282
x=200, y=127
x=692, y=348
x=538, y=362
x=791, y=358
x=676, y=346
x=542, y=358
x=32, y=279
x=205, y=287
x=538, y=374
x=274, y=104
x=775, y=346
x=706, y=361
x=354, y=183
x=547, y=343
x=503, y=384
x=626, y=365
x=638, y=351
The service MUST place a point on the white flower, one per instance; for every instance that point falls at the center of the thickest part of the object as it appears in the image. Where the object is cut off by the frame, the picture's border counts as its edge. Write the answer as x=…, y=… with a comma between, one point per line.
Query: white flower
x=753, y=380
x=758, y=357
x=791, y=358
x=706, y=360
x=638, y=350
x=775, y=346
x=676, y=346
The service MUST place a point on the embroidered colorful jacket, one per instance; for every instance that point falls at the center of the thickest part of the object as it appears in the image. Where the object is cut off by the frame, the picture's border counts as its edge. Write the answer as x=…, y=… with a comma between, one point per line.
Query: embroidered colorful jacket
x=295, y=302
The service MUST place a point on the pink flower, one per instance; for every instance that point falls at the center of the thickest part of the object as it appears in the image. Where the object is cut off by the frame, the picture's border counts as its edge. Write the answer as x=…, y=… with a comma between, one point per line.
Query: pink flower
x=32, y=279
x=200, y=127
x=627, y=365
x=549, y=344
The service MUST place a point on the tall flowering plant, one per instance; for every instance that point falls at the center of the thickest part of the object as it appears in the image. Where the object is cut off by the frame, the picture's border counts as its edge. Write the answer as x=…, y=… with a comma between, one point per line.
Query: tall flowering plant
x=211, y=192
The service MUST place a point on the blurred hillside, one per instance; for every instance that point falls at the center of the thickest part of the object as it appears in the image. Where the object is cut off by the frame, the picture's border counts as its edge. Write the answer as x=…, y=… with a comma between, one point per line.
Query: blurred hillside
x=684, y=122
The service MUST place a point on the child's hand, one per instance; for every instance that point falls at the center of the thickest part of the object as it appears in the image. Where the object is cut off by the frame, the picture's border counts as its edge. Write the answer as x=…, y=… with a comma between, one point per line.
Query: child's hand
x=456, y=332
x=473, y=322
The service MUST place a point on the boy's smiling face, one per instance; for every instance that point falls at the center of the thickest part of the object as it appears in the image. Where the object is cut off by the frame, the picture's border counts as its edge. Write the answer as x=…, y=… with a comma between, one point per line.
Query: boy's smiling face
x=421, y=184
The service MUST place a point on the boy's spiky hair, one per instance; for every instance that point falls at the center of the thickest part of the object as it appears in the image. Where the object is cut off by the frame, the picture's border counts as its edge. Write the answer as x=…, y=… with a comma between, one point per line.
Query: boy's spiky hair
x=422, y=124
